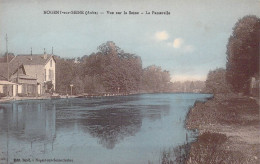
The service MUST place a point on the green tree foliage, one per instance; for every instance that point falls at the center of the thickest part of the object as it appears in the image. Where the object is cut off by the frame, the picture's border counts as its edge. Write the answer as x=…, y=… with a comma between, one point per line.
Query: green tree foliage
x=67, y=73
x=114, y=69
x=154, y=79
x=109, y=70
x=78, y=85
x=216, y=81
x=93, y=84
x=243, y=53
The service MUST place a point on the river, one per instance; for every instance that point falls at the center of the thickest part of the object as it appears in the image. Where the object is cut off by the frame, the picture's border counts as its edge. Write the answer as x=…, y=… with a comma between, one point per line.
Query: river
x=124, y=129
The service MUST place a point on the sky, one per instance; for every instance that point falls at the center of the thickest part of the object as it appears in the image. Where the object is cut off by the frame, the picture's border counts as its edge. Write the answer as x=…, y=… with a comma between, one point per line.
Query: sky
x=188, y=42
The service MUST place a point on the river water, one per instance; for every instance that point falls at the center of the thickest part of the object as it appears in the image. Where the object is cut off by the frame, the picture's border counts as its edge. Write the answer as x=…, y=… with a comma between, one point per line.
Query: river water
x=126, y=129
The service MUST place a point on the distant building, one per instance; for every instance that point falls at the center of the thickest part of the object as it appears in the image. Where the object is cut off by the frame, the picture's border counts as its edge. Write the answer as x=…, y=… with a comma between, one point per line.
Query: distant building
x=33, y=74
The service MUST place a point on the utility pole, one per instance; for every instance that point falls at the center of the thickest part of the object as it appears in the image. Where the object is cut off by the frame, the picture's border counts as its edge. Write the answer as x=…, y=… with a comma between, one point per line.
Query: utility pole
x=6, y=39
x=17, y=74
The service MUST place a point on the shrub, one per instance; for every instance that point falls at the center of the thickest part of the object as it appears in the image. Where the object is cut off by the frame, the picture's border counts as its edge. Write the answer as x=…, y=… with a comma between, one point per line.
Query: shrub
x=216, y=82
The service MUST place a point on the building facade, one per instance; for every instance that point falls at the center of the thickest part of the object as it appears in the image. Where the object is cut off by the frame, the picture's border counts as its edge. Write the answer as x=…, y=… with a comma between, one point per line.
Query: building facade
x=33, y=74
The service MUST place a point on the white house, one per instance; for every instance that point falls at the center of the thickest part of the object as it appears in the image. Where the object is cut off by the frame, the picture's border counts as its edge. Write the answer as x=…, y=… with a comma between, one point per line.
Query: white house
x=39, y=67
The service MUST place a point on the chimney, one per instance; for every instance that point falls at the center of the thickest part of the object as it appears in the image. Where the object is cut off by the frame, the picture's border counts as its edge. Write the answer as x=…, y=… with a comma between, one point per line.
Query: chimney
x=45, y=55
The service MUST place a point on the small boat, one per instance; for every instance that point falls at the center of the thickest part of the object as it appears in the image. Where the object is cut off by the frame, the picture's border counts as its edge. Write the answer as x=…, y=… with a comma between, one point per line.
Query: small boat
x=55, y=96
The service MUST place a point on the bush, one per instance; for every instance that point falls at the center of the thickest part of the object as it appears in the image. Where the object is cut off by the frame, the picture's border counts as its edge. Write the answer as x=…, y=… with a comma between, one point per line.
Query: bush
x=216, y=82
x=209, y=148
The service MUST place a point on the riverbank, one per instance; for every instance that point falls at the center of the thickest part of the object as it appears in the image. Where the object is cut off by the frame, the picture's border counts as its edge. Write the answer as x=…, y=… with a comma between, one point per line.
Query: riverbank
x=228, y=130
x=7, y=99
x=57, y=96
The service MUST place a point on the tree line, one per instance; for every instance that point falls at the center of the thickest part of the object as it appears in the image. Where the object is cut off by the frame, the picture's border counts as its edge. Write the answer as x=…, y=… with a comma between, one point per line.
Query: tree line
x=242, y=66
x=110, y=70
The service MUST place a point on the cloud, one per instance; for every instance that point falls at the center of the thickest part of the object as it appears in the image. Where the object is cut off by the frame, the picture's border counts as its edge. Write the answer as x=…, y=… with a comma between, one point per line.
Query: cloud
x=177, y=43
x=161, y=35
x=180, y=44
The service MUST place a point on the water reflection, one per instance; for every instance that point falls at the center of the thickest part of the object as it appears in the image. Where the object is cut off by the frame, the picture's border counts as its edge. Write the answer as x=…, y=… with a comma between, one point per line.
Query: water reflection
x=108, y=121
x=26, y=126
x=35, y=121
x=53, y=128
x=110, y=126
x=32, y=121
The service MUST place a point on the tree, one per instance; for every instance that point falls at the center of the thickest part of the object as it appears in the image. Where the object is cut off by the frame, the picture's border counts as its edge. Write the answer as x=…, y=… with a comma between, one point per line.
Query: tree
x=154, y=79
x=243, y=53
x=93, y=84
x=192, y=86
x=109, y=70
x=64, y=74
x=109, y=48
x=216, y=81
x=113, y=69
x=78, y=84
x=122, y=70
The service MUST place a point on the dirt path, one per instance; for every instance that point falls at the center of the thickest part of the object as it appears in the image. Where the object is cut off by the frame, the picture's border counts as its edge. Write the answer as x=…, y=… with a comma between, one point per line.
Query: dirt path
x=229, y=129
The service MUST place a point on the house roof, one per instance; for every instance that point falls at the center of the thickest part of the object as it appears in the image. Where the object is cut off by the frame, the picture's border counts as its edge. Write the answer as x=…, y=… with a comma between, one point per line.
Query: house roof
x=34, y=59
x=3, y=71
x=22, y=60
x=4, y=67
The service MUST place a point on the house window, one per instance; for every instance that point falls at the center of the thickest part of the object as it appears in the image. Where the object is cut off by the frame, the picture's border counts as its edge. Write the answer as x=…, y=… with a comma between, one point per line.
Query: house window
x=51, y=63
x=45, y=75
x=50, y=74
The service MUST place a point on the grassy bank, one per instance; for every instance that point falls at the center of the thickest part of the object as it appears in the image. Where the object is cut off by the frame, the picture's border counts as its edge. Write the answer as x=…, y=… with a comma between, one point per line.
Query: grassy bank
x=228, y=130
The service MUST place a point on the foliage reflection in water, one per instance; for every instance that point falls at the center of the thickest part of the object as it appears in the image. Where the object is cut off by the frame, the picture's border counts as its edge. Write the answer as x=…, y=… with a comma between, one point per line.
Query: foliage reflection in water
x=126, y=129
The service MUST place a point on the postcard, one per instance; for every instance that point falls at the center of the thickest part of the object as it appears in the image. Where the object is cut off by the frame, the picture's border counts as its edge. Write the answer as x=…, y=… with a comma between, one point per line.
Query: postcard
x=127, y=81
